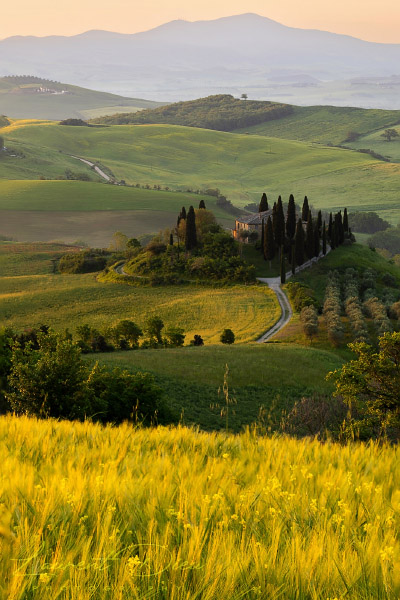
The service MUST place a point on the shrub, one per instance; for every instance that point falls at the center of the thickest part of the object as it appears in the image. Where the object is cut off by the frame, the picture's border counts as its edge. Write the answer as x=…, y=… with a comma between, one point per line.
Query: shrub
x=227, y=337
x=197, y=340
x=300, y=296
x=81, y=262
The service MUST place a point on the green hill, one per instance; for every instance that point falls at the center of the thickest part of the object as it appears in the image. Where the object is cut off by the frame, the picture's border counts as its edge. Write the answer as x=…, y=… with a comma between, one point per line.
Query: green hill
x=23, y=97
x=189, y=158
x=221, y=112
x=325, y=124
x=378, y=144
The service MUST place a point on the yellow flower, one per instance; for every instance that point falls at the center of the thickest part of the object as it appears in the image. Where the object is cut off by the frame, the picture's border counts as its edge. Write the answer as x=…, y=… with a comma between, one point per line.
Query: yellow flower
x=386, y=554
x=133, y=563
x=44, y=578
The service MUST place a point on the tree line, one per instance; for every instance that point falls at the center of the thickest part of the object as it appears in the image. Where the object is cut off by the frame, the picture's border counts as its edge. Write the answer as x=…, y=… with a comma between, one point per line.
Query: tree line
x=220, y=112
x=297, y=238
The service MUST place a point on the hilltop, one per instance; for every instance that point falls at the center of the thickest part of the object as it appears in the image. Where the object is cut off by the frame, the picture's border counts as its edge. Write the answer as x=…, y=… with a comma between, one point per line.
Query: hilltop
x=28, y=97
x=247, y=52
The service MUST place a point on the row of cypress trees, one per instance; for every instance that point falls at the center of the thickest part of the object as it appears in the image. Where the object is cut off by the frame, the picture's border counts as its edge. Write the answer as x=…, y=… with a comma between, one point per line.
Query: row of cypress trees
x=190, y=229
x=298, y=239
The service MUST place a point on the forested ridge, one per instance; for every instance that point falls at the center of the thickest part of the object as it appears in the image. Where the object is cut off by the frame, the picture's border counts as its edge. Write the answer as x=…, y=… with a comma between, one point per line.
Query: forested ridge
x=220, y=112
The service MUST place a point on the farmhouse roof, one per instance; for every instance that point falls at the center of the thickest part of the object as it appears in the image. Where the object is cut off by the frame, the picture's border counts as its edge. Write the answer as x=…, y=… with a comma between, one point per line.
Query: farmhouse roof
x=255, y=219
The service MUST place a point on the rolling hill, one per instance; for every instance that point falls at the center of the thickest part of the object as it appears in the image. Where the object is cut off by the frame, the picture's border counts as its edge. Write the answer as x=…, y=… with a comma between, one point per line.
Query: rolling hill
x=37, y=98
x=241, y=53
x=189, y=158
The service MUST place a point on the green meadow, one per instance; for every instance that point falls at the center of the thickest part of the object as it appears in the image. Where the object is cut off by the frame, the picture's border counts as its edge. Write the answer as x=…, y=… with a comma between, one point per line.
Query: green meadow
x=325, y=124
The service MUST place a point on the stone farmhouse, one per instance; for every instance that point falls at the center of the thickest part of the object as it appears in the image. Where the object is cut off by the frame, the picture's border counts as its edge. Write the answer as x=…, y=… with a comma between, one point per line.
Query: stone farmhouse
x=248, y=226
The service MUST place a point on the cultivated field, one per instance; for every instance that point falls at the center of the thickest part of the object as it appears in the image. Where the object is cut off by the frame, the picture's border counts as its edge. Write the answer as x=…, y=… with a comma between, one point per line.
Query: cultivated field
x=104, y=513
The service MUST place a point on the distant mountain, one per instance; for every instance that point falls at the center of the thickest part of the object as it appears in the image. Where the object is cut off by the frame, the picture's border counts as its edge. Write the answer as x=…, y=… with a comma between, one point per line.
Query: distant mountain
x=244, y=53
x=37, y=98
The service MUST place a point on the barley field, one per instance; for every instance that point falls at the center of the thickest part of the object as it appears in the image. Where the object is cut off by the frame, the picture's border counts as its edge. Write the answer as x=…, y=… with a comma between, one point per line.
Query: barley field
x=89, y=512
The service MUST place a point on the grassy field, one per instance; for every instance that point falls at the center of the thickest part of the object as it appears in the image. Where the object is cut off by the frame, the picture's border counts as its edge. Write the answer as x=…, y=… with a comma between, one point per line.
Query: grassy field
x=378, y=144
x=19, y=101
x=325, y=124
x=89, y=212
x=104, y=513
x=264, y=380
x=70, y=300
x=241, y=166
x=25, y=259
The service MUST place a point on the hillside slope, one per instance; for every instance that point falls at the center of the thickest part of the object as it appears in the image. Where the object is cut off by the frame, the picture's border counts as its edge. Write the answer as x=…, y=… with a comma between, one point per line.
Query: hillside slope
x=182, y=158
x=36, y=98
x=325, y=124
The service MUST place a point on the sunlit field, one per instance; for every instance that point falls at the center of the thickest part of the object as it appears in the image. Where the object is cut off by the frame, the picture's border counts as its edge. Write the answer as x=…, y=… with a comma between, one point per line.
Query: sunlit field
x=116, y=513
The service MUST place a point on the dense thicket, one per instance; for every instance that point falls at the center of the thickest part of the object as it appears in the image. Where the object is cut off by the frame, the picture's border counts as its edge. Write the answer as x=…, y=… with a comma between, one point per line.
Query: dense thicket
x=367, y=222
x=82, y=262
x=220, y=112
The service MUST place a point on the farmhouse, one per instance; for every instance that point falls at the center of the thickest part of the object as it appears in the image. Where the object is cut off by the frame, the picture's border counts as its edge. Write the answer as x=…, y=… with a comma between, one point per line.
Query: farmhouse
x=248, y=228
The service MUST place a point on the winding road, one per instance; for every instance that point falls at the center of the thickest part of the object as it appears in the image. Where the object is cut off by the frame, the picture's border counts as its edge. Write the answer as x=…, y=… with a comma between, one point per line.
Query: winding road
x=286, y=310
x=96, y=168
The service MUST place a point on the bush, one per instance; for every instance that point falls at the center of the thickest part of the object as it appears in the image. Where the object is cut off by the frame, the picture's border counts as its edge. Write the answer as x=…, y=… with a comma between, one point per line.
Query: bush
x=227, y=337
x=300, y=296
x=82, y=262
x=197, y=340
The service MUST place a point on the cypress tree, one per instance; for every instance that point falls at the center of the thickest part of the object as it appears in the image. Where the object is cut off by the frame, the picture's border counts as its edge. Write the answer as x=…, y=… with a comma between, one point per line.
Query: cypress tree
x=283, y=267
x=262, y=235
x=345, y=221
x=334, y=236
x=202, y=204
x=171, y=239
x=319, y=222
x=299, y=243
x=269, y=242
x=339, y=229
x=279, y=228
x=291, y=218
x=263, y=206
x=317, y=245
x=183, y=213
x=191, y=234
x=305, y=209
x=293, y=259
x=310, y=237
x=324, y=239
x=330, y=225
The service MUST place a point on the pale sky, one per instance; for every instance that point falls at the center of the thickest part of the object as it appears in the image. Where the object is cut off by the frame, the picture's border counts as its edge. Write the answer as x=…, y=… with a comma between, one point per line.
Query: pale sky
x=366, y=19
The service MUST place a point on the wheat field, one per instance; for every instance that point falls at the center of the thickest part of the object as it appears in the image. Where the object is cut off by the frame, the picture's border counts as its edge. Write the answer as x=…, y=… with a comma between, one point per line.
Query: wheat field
x=91, y=512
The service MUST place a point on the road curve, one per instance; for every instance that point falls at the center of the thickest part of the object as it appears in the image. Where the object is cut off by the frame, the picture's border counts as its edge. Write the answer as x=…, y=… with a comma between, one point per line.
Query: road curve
x=275, y=284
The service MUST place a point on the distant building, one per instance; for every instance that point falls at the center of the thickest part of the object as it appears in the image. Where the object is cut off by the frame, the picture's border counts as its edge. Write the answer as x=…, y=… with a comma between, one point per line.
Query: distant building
x=246, y=226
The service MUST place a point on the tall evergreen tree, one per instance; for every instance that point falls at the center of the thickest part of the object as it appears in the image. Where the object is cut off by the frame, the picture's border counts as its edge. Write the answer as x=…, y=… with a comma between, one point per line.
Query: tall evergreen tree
x=333, y=239
x=262, y=235
x=345, y=221
x=305, y=209
x=191, y=234
x=263, y=206
x=202, y=204
x=293, y=257
x=291, y=218
x=310, y=237
x=330, y=225
x=299, y=239
x=324, y=239
x=319, y=222
x=269, y=242
x=279, y=228
x=283, y=267
x=339, y=229
x=183, y=213
x=171, y=239
x=317, y=245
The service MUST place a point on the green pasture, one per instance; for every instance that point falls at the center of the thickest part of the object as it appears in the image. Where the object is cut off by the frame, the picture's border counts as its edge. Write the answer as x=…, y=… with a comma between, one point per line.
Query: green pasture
x=325, y=124
x=182, y=157
x=263, y=380
x=378, y=144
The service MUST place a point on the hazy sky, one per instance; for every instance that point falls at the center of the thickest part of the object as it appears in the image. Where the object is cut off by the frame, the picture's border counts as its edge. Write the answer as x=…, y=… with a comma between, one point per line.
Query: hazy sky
x=367, y=19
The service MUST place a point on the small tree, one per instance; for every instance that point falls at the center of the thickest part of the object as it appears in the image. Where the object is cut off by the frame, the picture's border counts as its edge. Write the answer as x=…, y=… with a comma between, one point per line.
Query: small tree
x=197, y=340
x=244, y=96
x=127, y=330
x=202, y=204
x=389, y=134
x=305, y=210
x=175, y=337
x=291, y=218
x=153, y=329
x=227, y=336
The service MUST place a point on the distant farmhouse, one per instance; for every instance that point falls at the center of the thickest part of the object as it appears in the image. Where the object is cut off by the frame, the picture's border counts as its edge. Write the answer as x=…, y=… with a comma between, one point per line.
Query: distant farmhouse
x=248, y=228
